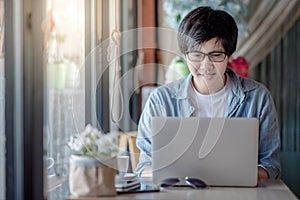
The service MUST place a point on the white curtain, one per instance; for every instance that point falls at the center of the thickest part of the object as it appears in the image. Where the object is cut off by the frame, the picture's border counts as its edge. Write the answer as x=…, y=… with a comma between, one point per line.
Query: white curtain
x=267, y=26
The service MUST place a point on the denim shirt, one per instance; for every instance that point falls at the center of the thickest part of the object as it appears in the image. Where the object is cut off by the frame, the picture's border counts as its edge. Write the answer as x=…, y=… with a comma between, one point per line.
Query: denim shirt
x=249, y=99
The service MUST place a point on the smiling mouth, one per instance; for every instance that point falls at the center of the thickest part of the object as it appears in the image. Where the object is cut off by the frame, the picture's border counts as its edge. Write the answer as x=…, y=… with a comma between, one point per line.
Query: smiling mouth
x=210, y=74
x=206, y=74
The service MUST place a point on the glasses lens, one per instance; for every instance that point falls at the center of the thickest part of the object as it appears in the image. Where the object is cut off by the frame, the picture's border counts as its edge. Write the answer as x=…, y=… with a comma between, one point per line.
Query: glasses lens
x=217, y=56
x=196, y=182
x=169, y=182
x=196, y=56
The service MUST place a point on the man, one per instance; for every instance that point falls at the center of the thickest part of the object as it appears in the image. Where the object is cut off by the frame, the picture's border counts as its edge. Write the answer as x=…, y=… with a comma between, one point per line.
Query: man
x=207, y=39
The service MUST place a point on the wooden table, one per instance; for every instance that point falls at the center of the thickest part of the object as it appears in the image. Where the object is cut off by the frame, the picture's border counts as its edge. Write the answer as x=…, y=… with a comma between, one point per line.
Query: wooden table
x=270, y=189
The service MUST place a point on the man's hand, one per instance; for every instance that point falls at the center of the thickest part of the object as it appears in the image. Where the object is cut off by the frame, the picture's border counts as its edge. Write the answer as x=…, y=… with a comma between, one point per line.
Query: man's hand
x=147, y=173
x=262, y=174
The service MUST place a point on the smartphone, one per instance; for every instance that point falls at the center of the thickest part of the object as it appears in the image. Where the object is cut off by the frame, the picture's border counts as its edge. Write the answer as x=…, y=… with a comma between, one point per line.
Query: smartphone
x=141, y=189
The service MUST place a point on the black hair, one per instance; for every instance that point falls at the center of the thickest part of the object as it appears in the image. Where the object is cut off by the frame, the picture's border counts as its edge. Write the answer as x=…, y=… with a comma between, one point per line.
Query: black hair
x=203, y=24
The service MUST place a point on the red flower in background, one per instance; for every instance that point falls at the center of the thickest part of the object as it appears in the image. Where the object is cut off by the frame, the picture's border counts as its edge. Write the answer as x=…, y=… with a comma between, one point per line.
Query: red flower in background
x=240, y=66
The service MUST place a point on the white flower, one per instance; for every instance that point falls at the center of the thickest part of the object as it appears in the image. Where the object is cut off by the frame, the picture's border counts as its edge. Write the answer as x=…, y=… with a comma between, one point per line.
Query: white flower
x=78, y=145
x=96, y=134
x=92, y=142
x=88, y=128
x=87, y=141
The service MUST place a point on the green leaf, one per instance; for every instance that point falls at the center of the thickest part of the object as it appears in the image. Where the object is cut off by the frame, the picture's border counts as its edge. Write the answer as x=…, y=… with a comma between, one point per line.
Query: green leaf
x=178, y=18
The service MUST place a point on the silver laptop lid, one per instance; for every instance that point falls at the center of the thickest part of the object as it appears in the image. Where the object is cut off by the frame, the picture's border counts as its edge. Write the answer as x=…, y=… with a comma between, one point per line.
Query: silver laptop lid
x=219, y=151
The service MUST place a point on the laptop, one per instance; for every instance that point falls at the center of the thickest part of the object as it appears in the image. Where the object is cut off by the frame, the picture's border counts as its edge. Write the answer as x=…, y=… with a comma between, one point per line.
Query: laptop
x=218, y=151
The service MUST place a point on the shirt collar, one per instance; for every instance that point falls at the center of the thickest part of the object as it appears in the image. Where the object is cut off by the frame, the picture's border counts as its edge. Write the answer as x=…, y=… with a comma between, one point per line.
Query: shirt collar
x=182, y=92
x=239, y=89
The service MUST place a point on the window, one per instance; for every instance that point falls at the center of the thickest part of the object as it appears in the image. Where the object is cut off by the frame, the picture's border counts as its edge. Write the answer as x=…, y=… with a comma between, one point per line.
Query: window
x=72, y=32
x=51, y=89
x=64, y=114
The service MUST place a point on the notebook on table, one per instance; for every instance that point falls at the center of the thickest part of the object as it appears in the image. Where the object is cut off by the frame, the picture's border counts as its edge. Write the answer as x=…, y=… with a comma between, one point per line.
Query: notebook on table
x=218, y=151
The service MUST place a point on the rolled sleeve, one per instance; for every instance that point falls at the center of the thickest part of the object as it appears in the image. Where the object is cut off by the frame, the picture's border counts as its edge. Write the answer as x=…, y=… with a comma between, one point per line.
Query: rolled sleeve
x=269, y=141
x=166, y=100
x=144, y=144
x=143, y=141
x=144, y=160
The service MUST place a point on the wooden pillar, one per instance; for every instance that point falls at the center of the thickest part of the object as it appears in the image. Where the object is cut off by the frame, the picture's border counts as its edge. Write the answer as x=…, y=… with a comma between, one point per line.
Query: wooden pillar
x=149, y=40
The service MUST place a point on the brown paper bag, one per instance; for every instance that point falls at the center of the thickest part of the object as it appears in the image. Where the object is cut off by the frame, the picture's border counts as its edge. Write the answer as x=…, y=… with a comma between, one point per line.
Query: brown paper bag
x=90, y=177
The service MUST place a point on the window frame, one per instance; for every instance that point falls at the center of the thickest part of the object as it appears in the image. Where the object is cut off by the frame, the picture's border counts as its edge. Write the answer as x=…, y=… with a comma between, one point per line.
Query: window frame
x=24, y=99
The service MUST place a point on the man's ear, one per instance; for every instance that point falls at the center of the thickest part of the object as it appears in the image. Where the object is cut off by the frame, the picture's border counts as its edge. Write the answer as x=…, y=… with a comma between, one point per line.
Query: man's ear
x=230, y=59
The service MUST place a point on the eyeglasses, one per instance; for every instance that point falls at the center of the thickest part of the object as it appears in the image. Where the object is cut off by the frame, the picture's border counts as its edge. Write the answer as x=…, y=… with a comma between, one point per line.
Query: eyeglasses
x=186, y=181
x=197, y=56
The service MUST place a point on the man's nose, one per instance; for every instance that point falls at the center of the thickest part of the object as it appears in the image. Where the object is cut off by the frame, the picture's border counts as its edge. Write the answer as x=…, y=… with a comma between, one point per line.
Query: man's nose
x=206, y=64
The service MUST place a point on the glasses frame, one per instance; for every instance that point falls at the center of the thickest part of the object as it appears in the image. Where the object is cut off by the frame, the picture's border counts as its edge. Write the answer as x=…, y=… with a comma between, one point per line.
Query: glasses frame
x=206, y=54
x=192, y=182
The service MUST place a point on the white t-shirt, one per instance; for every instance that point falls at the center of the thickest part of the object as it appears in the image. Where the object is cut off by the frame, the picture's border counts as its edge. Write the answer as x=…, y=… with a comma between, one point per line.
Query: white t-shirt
x=212, y=105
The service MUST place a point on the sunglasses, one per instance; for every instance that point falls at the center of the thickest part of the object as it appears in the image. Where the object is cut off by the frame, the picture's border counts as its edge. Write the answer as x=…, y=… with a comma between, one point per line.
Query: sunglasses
x=179, y=182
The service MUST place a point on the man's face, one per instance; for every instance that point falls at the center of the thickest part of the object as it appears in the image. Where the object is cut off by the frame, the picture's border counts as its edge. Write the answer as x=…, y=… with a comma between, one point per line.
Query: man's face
x=208, y=63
